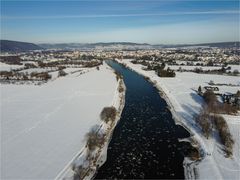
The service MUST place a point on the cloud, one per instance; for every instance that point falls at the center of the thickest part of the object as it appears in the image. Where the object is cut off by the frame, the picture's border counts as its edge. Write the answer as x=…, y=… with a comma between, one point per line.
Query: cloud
x=125, y=15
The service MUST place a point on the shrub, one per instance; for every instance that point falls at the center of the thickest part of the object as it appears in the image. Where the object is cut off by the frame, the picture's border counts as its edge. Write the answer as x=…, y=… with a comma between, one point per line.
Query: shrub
x=108, y=114
x=61, y=68
x=210, y=63
x=235, y=72
x=79, y=172
x=62, y=73
x=94, y=139
x=200, y=90
x=30, y=65
x=11, y=60
x=92, y=63
x=211, y=100
x=198, y=70
x=215, y=106
x=165, y=73
x=134, y=62
x=209, y=97
x=25, y=77
x=238, y=93
x=211, y=82
x=194, y=155
x=45, y=76
x=7, y=74
x=204, y=120
x=120, y=88
x=228, y=109
x=224, y=134
x=118, y=75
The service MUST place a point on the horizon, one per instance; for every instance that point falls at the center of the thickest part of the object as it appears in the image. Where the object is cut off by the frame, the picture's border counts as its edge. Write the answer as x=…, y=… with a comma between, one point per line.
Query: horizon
x=151, y=22
x=119, y=42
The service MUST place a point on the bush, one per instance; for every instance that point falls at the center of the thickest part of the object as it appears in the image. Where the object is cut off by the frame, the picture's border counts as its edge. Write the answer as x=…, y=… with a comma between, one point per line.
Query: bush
x=61, y=68
x=224, y=134
x=11, y=60
x=209, y=97
x=235, y=72
x=228, y=109
x=211, y=100
x=120, y=88
x=45, y=76
x=62, y=73
x=165, y=73
x=238, y=93
x=118, y=75
x=92, y=63
x=94, y=139
x=204, y=120
x=211, y=82
x=30, y=65
x=42, y=75
x=198, y=70
x=200, y=90
x=79, y=172
x=108, y=114
x=215, y=106
x=194, y=155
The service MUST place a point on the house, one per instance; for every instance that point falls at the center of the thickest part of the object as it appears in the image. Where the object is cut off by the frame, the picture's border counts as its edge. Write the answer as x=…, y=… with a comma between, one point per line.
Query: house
x=228, y=98
x=232, y=99
x=211, y=88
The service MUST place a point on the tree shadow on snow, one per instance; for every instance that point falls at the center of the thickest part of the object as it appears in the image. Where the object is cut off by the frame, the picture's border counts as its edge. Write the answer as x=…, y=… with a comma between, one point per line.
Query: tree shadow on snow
x=198, y=99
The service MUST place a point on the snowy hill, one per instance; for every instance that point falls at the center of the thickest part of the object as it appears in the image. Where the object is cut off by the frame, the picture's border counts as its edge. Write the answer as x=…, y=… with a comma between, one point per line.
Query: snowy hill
x=16, y=46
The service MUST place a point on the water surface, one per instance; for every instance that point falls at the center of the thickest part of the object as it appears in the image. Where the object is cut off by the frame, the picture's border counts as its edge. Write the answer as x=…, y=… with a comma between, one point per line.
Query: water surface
x=145, y=141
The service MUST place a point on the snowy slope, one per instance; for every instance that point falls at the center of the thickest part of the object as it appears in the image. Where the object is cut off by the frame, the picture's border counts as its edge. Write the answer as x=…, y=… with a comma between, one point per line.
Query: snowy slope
x=43, y=127
x=180, y=94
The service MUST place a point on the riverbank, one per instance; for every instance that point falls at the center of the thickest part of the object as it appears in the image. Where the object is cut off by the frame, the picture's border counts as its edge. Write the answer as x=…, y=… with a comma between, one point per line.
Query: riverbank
x=184, y=105
x=100, y=154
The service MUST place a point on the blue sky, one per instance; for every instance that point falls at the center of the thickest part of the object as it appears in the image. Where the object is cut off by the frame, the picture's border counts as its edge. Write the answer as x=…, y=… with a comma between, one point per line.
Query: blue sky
x=143, y=21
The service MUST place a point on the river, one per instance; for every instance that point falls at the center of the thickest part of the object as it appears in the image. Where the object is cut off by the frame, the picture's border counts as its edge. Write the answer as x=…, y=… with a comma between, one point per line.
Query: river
x=145, y=142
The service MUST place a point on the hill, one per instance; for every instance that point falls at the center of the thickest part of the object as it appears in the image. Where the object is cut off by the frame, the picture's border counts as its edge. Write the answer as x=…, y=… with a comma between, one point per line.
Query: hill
x=218, y=45
x=103, y=45
x=16, y=46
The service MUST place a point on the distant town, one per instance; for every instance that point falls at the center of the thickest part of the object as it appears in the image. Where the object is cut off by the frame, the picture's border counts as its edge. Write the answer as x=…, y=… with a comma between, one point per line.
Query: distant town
x=200, y=59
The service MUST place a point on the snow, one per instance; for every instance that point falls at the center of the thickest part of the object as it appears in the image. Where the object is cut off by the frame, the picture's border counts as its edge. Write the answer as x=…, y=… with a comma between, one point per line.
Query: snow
x=7, y=67
x=43, y=127
x=100, y=153
x=29, y=62
x=235, y=67
x=205, y=68
x=176, y=67
x=184, y=102
x=38, y=70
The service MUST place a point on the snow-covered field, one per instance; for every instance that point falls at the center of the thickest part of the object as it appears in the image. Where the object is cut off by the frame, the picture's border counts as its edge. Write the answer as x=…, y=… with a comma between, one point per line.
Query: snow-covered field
x=38, y=70
x=7, y=67
x=100, y=154
x=205, y=68
x=43, y=127
x=175, y=67
x=235, y=67
x=185, y=103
